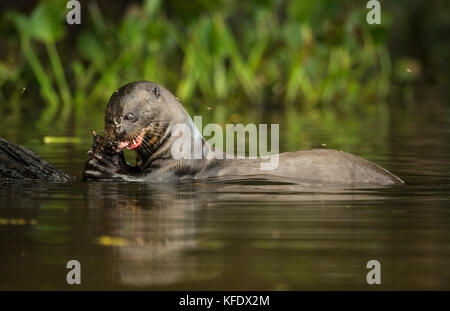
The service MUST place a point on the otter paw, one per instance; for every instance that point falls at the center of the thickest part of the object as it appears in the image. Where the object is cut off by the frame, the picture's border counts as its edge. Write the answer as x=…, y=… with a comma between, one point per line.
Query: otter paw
x=100, y=168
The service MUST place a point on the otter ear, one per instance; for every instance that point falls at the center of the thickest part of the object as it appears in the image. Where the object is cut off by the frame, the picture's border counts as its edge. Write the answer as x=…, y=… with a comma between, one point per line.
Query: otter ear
x=156, y=91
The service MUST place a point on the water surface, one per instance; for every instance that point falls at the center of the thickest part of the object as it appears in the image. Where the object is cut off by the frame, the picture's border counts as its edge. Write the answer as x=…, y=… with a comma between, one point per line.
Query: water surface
x=247, y=234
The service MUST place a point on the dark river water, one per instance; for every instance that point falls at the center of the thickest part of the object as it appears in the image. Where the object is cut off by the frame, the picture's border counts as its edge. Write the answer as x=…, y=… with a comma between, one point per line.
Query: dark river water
x=239, y=235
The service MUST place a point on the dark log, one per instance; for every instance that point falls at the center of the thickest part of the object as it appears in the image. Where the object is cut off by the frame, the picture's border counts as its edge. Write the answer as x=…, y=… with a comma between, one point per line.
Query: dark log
x=19, y=163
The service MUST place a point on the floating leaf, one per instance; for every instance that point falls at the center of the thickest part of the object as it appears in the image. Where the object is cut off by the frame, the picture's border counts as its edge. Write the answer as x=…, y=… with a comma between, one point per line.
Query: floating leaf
x=111, y=241
x=61, y=140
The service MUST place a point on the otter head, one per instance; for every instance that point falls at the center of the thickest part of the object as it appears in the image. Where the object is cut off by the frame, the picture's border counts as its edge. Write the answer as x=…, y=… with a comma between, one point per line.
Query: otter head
x=139, y=113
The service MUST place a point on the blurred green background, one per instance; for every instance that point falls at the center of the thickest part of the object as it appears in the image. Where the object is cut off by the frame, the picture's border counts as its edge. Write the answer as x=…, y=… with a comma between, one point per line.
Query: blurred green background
x=298, y=63
x=315, y=67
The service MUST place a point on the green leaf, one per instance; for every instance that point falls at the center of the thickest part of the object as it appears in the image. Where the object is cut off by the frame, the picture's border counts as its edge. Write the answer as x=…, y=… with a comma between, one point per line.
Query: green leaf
x=91, y=48
x=46, y=22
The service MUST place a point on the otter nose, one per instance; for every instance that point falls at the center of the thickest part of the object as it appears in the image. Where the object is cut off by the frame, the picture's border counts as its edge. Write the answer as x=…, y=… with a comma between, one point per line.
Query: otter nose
x=120, y=132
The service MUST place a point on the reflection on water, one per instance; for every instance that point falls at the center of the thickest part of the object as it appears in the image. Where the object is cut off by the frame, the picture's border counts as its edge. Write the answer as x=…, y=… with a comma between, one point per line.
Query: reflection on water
x=246, y=234
x=215, y=236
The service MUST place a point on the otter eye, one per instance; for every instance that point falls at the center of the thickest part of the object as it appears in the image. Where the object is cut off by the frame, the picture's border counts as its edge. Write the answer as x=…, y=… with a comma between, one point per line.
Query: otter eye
x=130, y=116
x=156, y=91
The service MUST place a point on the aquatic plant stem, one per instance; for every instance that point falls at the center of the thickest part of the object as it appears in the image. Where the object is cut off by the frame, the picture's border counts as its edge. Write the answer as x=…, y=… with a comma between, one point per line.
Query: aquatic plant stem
x=61, y=81
x=47, y=90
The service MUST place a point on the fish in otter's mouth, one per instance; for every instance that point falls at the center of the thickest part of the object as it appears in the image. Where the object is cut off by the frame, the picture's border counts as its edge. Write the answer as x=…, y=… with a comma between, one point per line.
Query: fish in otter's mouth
x=132, y=143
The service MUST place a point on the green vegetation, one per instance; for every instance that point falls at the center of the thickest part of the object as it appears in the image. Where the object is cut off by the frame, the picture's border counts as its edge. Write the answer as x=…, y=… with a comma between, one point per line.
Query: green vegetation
x=309, y=55
x=314, y=67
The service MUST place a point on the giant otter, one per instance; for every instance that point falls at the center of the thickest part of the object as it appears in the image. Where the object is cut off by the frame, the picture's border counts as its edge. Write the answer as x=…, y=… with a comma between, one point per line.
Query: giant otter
x=141, y=115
